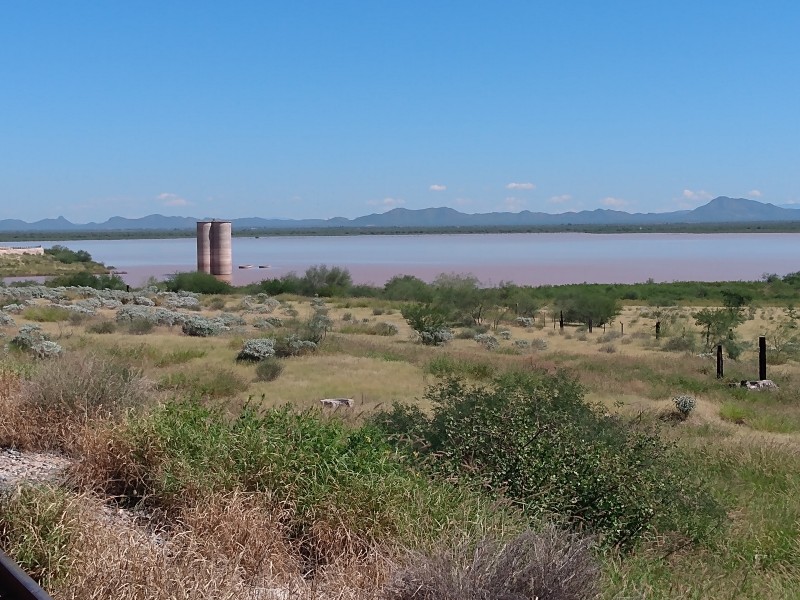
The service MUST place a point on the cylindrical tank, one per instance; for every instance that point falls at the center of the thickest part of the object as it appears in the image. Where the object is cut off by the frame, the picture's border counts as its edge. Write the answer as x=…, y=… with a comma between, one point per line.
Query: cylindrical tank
x=221, y=256
x=204, y=246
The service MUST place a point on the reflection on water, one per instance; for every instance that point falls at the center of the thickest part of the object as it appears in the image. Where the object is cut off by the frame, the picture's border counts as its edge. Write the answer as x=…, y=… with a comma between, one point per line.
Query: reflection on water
x=535, y=259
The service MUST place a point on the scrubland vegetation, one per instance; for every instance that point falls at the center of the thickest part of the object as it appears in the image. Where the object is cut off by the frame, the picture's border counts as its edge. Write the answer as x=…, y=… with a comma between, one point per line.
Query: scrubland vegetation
x=488, y=452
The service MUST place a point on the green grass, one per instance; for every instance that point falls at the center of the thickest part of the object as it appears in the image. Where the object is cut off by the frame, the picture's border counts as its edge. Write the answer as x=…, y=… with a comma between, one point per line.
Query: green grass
x=444, y=364
x=206, y=383
x=46, y=314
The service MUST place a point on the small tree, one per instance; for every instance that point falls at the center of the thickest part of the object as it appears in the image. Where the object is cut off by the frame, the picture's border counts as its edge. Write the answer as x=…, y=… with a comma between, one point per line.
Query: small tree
x=429, y=321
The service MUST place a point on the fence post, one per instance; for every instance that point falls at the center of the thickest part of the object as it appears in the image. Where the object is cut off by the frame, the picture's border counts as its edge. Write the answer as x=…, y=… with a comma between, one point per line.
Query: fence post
x=762, y=358
x=719, y=361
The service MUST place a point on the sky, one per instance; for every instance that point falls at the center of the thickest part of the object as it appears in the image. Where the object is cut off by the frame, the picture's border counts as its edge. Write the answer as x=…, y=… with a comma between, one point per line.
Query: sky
x=312, y=109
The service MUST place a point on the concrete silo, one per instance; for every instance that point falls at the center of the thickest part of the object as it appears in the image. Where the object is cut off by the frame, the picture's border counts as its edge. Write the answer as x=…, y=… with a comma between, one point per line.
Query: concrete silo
x=204, y=246
x=214, y=254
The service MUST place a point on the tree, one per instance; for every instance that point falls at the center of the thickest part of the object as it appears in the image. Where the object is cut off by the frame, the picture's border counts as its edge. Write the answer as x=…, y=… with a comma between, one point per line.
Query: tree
x=326, y=281
x=408, y=288
x=588, y=306
x=719, y=326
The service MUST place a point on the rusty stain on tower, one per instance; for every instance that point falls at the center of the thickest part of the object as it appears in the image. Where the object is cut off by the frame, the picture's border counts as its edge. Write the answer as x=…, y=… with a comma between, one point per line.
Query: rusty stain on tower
x=214, y=249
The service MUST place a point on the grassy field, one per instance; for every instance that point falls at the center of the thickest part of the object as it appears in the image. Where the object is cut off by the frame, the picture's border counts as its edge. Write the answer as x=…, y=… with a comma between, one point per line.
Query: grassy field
x=744, y=444
x=26, y=265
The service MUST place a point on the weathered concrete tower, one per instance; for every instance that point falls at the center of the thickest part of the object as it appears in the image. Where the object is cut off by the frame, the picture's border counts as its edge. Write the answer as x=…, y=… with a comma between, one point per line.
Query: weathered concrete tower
x=214, y=249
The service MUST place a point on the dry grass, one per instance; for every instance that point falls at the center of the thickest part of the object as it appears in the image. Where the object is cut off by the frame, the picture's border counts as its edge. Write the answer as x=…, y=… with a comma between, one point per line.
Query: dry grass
x=52, y=409
x=544, y=565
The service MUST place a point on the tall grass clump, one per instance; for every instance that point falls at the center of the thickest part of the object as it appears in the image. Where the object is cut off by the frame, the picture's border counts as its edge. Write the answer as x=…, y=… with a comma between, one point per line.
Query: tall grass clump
x=532, y=438
x=545, y=565
x=51, y=409
x=38, y=526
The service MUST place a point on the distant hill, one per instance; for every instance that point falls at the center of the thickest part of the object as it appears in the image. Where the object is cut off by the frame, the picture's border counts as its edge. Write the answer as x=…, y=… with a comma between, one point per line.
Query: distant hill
x=718, y=210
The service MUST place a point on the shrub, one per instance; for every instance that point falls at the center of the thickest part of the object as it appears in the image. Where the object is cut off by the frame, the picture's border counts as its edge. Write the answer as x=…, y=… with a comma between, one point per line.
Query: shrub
x=547, y=565
x=684, y=404
x=6, y=320
x=269, y=369
x=257, y=349
x=198, y=326
x=140, y=326
x=198, y=282
x=489, y=342
x=532, y=438
x=31, y=339
x=293, y=345
x=268, y=323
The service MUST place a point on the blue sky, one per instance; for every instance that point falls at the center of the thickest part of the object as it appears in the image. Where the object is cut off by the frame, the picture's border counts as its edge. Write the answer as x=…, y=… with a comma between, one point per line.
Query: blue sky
x=321, y=109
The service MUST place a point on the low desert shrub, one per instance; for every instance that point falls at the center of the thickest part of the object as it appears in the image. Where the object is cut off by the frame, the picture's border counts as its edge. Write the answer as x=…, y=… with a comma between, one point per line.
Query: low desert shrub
x=198, y=326
x=684, y=404
x=257, y=350
x=32, y=340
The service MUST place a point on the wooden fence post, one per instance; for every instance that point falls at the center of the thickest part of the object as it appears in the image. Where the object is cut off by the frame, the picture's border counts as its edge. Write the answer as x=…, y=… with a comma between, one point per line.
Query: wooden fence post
x=719, y=361
x=762, y=358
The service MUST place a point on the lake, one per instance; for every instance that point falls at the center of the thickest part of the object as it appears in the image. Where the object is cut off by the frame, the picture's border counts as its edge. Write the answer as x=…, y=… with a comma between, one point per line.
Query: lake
x=524, y=258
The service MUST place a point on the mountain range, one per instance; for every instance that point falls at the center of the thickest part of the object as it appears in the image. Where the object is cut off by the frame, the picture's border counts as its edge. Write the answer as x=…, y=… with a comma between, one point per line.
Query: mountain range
x=718, y=210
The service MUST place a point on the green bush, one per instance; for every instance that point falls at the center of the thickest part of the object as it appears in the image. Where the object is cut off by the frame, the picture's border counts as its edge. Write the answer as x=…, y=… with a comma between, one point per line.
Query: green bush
x=533, y=439
x=65, y=255
x=86, y=279
x=269, y=369
x=198, y=282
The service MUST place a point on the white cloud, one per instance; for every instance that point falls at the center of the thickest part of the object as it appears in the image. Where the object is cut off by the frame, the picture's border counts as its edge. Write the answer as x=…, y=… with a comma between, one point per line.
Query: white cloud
x=520, y=186
x=563, y=198
x=755, y=193
x=614, y=202
x=696, y=195
x=437, y=187
x=168, y=199
x=387, y=202
x=514, y=204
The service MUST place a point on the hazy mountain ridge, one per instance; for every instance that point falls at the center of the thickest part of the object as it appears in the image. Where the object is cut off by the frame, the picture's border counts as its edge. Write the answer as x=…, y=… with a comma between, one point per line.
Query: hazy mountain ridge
x=718, y=210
